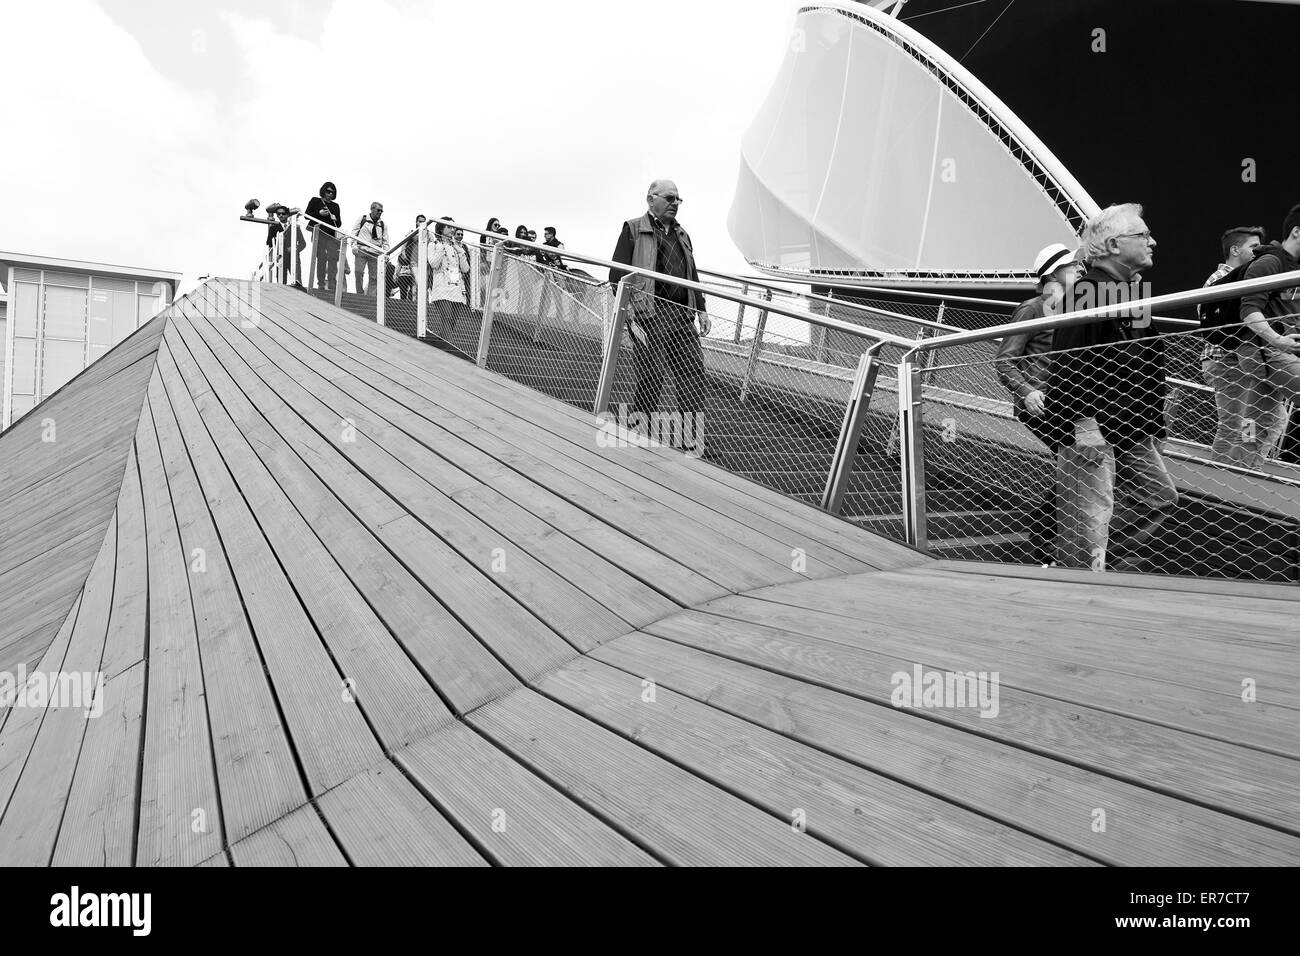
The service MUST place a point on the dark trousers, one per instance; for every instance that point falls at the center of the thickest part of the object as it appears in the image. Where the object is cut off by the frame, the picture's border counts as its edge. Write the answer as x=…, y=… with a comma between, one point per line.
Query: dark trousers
x=326, y=255
x=1042, y=517
x=672, y=345
x=406, y=286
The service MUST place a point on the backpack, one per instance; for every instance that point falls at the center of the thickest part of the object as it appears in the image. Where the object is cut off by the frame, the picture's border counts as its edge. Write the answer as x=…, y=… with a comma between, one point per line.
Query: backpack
x=1227, y=312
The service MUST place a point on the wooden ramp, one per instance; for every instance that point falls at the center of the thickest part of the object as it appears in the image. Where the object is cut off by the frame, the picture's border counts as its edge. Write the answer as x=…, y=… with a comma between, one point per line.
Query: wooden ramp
x=355, y=601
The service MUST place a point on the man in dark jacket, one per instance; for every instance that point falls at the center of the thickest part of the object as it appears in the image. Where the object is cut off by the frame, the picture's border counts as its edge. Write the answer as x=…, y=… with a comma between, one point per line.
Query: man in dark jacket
x=663, y=314
x=1271, y=352
x=1022, y=365
x=1108, y=399
x=325, y=241
x=280, y=224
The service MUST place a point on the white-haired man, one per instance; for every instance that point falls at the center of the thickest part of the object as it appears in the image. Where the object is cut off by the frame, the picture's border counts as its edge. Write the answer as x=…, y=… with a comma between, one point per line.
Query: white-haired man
x=1108, y=399
x=664, y=313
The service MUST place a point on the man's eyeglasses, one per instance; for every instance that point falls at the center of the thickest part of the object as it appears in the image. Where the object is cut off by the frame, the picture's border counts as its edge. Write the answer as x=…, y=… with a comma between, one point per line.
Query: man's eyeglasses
x=673, y=200
x=1144, y=236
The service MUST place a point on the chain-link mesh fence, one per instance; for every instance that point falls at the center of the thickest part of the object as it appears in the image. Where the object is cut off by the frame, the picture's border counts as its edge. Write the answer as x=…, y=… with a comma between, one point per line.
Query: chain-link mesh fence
x=1006, y=479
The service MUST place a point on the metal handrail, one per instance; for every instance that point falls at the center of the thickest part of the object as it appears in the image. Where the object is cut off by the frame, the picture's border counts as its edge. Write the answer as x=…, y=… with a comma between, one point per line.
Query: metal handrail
x=765, y=281
x=1175, y=300
x=824, y=322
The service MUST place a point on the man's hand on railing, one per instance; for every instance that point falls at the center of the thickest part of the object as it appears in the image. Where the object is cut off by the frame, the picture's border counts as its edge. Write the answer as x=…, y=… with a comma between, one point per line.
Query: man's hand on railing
x=1035, y=403
x=1289, y=343
x=705, y=323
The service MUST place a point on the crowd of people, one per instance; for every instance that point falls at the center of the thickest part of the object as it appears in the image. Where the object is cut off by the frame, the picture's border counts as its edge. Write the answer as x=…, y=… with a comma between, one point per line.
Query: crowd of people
x=1095, y=393
x=448, y=258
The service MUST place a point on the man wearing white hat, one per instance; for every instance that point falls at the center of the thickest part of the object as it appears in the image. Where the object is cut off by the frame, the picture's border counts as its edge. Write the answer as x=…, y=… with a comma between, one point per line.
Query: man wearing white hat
x=1022, y=365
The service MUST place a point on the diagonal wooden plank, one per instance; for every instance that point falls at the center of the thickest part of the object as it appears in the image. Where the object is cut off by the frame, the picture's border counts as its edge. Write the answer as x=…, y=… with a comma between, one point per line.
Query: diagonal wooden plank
x=1224, y=777
x=395, y=698
x=1054, y=799
x=678, y=816
x=180, y=809
x=446, y=652
x=380, y=819
x=876, y=819
x=519, y=818
x=258, y=779
x=297, y=839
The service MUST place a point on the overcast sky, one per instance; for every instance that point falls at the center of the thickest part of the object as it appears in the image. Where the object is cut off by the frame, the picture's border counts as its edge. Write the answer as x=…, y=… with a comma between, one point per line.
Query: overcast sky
x=138, y=130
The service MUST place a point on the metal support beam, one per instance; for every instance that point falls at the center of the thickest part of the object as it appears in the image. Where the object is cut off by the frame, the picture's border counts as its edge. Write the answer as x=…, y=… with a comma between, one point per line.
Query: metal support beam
x=754, y=349
x=422, y=281
x=489, y=305
x=609, y=366
x=846, y=449
x=381, y=284
x=740, y=316
x=911, y=452
x=340, y=276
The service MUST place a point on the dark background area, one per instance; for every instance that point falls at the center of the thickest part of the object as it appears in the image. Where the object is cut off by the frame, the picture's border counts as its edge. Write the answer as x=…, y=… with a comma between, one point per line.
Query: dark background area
x=1185, y=91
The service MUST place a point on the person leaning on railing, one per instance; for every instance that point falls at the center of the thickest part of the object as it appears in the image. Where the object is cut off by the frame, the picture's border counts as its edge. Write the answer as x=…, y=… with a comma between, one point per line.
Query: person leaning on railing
x=372, y=229
x=1107, y=398
x=1221, y=361
x=1272, y=316
x=447, y=268
x=662, y=323
x=280, y=224
x=1022, y=365
x=485, y=246
x=325, y=241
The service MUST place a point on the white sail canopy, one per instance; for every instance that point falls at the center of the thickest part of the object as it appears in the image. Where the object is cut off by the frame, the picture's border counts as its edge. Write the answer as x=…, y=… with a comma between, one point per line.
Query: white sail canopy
x=879, y=159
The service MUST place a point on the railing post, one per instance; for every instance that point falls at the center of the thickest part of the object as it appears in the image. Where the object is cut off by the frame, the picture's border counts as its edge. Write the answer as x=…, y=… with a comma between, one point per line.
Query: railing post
x=754, y=350
x=381, y=283
x=489, y=306
x=340, y=276
x=422, y=281
x=740, y=317
x=911, y=452
x=295, y=266
x=855, y=414
x=609, y=367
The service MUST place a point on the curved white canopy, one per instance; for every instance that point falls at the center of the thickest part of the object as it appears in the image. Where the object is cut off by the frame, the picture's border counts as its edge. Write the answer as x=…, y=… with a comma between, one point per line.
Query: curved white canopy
x=879, y=159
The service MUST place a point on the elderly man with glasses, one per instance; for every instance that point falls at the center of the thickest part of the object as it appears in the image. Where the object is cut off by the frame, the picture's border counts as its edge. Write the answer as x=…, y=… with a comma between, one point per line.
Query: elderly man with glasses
x=1108, y=398
x=664, y=314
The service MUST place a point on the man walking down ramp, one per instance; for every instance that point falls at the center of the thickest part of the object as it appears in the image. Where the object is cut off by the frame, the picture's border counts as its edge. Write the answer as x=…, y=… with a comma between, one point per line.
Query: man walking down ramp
x=663, y=314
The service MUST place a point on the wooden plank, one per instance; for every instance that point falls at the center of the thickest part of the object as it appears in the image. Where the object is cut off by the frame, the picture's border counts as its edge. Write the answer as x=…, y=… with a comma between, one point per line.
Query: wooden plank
x=875, y=819
x=1051, y=798
x=127, y=633
x=519, y=819
x=678, y=816
x=180, y=809
x=298, y=839
x=884, y=619
x=1225, y=777
x=522, y=641
x=446, y=652
x=588, y=485
x=380, y=819
x=19, y=725
x=573, y=614
x=392, y=427
x=329, y=734
x=256, y=773
x=99, y=823
x=29, y=826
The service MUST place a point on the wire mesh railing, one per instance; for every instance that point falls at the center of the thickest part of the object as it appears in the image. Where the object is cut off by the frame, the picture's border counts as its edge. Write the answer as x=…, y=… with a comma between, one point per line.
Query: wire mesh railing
x=890, y=413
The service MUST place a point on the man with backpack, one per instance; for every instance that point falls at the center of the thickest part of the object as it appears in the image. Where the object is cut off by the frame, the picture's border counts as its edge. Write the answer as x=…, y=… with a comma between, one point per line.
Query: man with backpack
x=1219, y=365
x=1260, y=329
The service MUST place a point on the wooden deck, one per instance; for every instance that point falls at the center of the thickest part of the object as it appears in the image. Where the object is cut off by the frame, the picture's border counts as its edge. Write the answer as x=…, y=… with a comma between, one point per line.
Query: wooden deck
x=356, y=601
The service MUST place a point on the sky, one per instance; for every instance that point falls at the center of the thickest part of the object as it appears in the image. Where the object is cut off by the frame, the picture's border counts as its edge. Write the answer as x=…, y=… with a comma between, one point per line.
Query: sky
x=145, y=127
